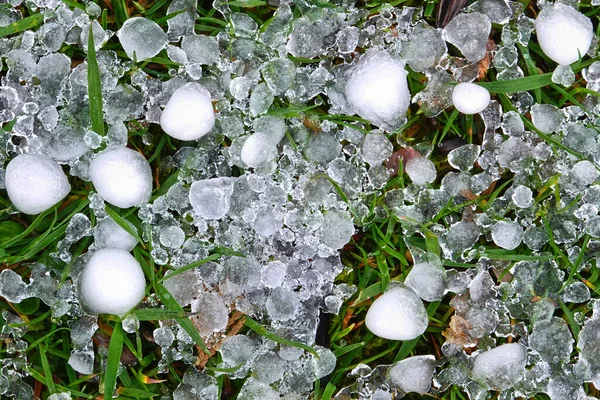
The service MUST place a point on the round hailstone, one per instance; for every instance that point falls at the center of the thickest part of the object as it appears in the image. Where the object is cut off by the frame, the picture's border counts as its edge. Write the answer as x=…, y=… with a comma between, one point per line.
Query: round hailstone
x=398, y=314
x=507, y=234
x=189, y=114
x=112, y=282
x=141, y=38
x=502, y=367
x=34, y=183
x=257, y=150
x=420, y=170
x=413, y=374
x=122, y=177
x=469, y=98
x=377, y=89
x=564, y=34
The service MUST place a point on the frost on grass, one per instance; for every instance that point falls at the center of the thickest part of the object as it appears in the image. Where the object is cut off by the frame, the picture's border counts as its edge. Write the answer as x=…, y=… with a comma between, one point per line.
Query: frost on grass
x=285, y=162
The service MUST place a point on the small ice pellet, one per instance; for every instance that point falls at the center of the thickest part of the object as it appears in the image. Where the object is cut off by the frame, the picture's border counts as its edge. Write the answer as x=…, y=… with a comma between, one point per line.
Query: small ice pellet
x=507, y=234
x=413, y=374
x=564, y=34
x=189, y=113
x=34, y=183
x=141, y=38
x=522, y=196
x=469, y=98
x=257, y=150
x=122, y=177
x=398, y=314
x=112, y=282
x=420, y=170
x=501, y=367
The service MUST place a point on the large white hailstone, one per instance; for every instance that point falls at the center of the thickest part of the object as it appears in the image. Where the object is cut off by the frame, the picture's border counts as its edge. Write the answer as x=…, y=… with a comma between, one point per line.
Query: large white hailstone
x=469, y=98
x=34, y=183
x=258, y=149
x=398, y=314
x=122, y=177
x=377, y=89
x=502, y=367
x=112, y=282
x=564, y=34
x=420, y=170
x=413, y=374
x=141, y=38
x=189, y=114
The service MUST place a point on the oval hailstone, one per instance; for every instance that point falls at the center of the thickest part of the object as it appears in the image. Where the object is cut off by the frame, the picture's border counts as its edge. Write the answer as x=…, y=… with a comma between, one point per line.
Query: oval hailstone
x=398, y=314
x=563, y=33
x=143, y=37
x=500, y=368
x=112, y=282
x=377, y=89
x=469, y=98
x=122, y=177
x=189, y=114
x=34, y=183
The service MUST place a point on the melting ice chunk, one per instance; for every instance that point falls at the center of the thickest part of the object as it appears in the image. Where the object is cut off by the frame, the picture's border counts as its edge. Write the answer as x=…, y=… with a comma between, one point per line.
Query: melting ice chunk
x=413, y=374
x=211, y=313
x=507, y=234
x=34, y=183
x=564, y=34
x=377, y=89
x=258, y=149
x=469, y=33
x=211, y=198
x=189, y=114
x=500, y=368
x=141, y=38
x=376, y=149
x=108, y=233
x=421, y=170
x=469, y=98
x=337, y=229
x=111, y=283
x=399, y=314
x=122, y=177
x=427, y=280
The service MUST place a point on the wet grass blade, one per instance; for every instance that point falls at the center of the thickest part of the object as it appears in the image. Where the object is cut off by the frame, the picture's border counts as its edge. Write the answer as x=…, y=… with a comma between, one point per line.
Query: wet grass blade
x=518, y=85
x=22, y=25
x=261, y=330
x=114, y=357
x=47, y=370
x=193, y=265
x=157, y=314
x=94, y=87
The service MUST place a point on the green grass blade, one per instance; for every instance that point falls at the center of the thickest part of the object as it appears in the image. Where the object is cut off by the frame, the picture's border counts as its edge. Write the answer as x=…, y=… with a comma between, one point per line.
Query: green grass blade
x=518, y=85
x=261, y=330
x=193, y=265
x=47, y=370
x=94, y=87
x=329, y=391
x=157, y=314
x=115, y=348
x=22, y=25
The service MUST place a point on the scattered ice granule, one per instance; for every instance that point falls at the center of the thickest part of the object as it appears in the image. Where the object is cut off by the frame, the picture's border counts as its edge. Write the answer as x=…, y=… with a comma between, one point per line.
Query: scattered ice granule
x=238, y=349
x=243, y=25
x=563, y=75
x=584, y=173
x=111, y=283
x=376, y=148
x=427, y=280
x=577, y=292
x=273, y=127
x=420, y=170
x=211, y=313
x=172, y=236
x=141, y=38
x=100, y=35
x=183, y=287
x=163, y=336
x=282, y=304
x=552, y=340
x=201, y=48
x=546, y=117
x=322, y=148
x=413, y=374
x=377, y=90
x=108, y=233
x=273, y=274
x=347, y=39
x=34, y=183
x=306, y=39
x=464, y=157
x=211, y=198
x=462, y=236
x=507, y=234
x=563, y=33
x=522, y=196
x=82, y=360
x=122, y=177
x=12, y=287
x=470, y=98
x=398, y=314
x=512, y=125
x=535, y=237
x=261, y=99
x=258, y=149
x=499, y=11
x=502, y=367
x=189, y=113
x=254, y=389
x=60, y=396
x=337, y=229
x=279, y=74
x=269, y=367
x=425, y=47
x=469, y=33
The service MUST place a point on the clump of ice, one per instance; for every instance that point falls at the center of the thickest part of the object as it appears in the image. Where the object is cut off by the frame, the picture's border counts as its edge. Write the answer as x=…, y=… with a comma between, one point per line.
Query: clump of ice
x=427, y=280
x=258, y=149
x=420, y=170
x=377, y=89
x=211, y=198
x=564, y=34
x=469, y=33
x=108, y=233
x=469, y=98
x=111, y=283
x=398, y=314
x=507, y=234
x=34, y=183
x=141, y=38
x=122, y=177
x=189, y=113
x=502, y=367
x=211, y=313
x=413, y=374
